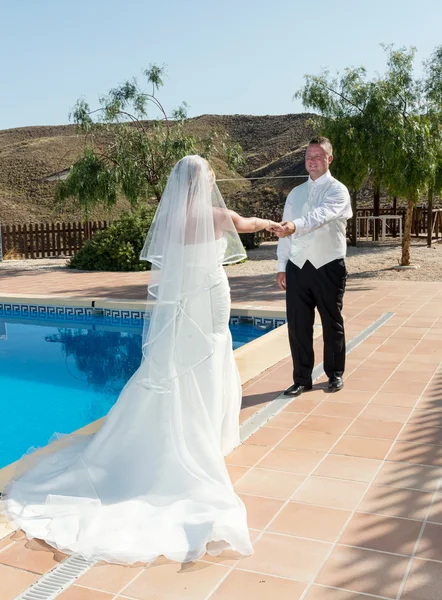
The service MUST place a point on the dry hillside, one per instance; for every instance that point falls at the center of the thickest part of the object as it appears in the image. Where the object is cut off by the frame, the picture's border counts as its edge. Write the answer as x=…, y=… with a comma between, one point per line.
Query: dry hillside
x=273, y=145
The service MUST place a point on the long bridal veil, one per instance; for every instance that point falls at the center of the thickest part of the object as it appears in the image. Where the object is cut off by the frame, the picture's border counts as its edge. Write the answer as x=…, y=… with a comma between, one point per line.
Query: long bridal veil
x=152, y=481
x=191, y=236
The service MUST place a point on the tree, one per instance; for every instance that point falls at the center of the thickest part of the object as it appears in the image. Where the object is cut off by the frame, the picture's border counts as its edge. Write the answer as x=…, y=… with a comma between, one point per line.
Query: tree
x=128, y=155
x=413, y=140
x=349, y=117
x=433, y=90
x=398, y=134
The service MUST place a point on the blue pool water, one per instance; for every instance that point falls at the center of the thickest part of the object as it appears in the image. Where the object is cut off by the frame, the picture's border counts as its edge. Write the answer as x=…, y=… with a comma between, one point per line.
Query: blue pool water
x=58, y=377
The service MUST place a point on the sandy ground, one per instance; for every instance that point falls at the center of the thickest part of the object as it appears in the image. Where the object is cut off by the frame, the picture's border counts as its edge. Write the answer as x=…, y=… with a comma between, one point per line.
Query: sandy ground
x=368, y=260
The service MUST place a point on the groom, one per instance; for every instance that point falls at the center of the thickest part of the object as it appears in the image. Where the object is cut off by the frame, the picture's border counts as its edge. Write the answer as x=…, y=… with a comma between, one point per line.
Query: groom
x=311, y=267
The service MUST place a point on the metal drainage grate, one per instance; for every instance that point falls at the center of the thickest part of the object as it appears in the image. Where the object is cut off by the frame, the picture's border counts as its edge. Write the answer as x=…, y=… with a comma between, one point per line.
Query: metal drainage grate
x=57, y=580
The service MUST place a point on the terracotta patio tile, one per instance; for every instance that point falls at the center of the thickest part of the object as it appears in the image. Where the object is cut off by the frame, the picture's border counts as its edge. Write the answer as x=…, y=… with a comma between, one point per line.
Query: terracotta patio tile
x=294, y=461
x=436, y=509
x=372, y=428
x=335, y=493
x=286, y=420
x=324, y=424
x=6, y=541
x=303, y=405
x=403, y=387
x=352, y=396
x=412, y=376
x=416, y=453
x=430, y=417
x=309, y=521
x=240, y=585
x=34, y=555
x=362, y=447
x=430, y=544
x=76, y=592
x=386, y=534
x=394, y=414
x=14, y=581
x=403, y=475
x=246, y=456
x=318, y=592
x=286, y=556
x=424, y=581
x=236, y=472
x=269, y=483
x=246, y=413
x=363, y=385
x=377, y=375
x=338, y=409
x=170, y=581
x=396, y=502
x=348, y=467
x=421, y=433
x=266, y=436
x=393, y=399
x=309, y=440
x=364, y=571
x=109, y=578
x=260, y=511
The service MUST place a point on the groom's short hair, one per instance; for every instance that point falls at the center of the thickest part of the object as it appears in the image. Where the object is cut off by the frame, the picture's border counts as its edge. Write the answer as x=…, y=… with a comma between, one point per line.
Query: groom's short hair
x=322, y=141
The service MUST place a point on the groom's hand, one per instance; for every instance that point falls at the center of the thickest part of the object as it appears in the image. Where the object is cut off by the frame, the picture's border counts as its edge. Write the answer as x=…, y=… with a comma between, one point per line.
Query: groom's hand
x=285, y=228
x=281, y=281
x=274, y=227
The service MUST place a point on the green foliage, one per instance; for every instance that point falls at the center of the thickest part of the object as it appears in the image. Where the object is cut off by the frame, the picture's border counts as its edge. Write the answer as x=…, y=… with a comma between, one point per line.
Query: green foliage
x=388, y=128
x=127, y=155
x=118, y=247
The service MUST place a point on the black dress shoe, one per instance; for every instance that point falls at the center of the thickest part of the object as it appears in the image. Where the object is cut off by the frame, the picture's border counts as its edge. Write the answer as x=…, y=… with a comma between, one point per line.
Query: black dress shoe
x=297, y=389
x=335, y=384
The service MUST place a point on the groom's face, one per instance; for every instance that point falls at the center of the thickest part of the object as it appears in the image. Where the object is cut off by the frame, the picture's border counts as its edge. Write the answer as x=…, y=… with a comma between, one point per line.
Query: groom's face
x=317, y=160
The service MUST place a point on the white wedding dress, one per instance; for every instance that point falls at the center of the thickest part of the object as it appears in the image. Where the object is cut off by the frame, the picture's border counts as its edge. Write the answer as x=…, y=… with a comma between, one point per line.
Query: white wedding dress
x=152, y=481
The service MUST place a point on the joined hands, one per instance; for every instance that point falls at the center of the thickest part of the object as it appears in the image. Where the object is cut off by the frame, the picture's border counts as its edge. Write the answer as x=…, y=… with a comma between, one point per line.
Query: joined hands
x=282, y=229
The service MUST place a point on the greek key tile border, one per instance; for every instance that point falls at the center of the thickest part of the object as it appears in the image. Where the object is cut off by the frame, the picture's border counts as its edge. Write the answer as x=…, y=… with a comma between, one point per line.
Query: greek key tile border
x=114, y=316
x=260, y=322
x=39, y=311
x=122, y=316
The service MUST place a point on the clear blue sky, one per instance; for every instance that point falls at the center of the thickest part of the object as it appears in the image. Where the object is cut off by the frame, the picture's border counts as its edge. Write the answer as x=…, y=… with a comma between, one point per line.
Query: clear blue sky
x=223, y=57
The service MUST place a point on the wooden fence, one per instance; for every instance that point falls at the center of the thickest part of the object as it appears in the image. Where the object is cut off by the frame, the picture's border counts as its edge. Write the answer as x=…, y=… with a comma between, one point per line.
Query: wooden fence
x=46, y=240
x=419, y=225
x=419, y=222
x=50, y=240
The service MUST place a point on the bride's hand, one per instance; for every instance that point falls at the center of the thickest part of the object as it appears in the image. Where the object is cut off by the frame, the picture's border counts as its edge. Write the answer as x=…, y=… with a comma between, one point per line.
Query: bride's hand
x=274, y=227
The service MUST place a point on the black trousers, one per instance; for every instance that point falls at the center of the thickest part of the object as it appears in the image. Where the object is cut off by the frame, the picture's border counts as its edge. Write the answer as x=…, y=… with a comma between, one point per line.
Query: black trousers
x=323, y=288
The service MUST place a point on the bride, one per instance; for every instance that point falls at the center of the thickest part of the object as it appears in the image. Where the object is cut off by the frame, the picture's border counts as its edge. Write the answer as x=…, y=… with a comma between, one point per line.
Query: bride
x=152, y=481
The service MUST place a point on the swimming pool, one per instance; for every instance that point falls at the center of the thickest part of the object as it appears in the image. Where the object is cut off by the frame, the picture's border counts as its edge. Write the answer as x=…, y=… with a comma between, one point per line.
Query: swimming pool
x=57, y=376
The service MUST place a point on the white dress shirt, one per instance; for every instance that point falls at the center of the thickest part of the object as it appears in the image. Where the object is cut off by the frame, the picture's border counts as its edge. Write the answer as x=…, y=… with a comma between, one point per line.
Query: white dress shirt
x=319, y=209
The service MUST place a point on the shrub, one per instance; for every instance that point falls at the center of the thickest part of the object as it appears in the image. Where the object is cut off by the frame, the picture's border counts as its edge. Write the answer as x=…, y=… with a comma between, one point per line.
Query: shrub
x=118, y=247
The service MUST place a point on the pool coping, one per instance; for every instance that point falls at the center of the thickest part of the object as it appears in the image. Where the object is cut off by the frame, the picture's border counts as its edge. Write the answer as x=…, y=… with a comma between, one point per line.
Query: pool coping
x=124, y=303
